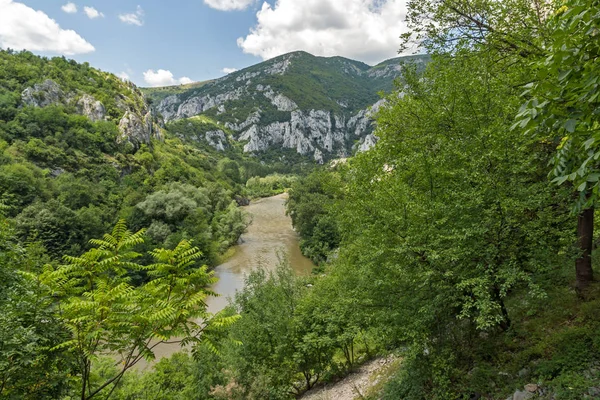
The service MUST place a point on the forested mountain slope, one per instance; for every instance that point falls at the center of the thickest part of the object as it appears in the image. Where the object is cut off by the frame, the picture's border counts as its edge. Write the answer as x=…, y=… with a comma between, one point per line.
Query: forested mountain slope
x=82, y=154
x=81, y=148
x=315, y=106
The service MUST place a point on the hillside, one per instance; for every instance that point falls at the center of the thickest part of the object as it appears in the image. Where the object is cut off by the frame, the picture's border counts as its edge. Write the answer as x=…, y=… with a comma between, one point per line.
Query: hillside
x=316, y=106
x=83, y=156
x=80, y=148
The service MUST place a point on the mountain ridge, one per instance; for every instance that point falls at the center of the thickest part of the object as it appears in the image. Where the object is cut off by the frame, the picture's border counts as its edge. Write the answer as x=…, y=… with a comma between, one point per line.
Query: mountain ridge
x=318, y=106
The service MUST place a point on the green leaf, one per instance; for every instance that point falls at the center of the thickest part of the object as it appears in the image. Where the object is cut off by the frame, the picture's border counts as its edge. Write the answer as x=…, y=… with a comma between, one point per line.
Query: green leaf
x=593, y=177
x=564, y=74
x=560, y=180
x=525, y=122
x=570, y=125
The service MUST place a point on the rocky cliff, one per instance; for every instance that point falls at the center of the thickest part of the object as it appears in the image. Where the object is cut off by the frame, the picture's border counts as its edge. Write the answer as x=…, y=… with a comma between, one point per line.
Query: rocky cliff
x=320, y=107
x=137, y=122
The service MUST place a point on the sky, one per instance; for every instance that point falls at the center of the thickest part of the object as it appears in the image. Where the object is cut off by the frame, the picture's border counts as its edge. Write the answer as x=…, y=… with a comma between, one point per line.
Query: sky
x=159, y=43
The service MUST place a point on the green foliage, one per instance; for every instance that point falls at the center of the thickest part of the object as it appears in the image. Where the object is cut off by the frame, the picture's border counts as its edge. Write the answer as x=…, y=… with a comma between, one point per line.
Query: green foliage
x=179, y=377
x=311, y=82
x=193, y=131
x=310, y=206
x=29, y=366
x=269, y=185
x=563, y=100
x=280, y=353
x=65, y=179
x=447, y=231
x=106, y=314
x=445, y=242
x=332, y=84
x=159, y=93
x=58, y=227
x=229, y=224
x=19, y=70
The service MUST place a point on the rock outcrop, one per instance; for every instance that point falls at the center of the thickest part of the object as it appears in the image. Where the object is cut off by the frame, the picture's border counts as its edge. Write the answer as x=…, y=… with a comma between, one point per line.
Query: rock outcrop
x=217, y=139
x=135, y=129
x=137, y=125
x=321, y=107
x=43, y=94
x=90, y=107
x=367, y=142
x=281, y=102
x=306, y=132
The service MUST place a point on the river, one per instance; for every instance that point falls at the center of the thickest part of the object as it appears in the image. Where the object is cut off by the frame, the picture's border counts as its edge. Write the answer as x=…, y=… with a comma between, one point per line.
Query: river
x=269, y=233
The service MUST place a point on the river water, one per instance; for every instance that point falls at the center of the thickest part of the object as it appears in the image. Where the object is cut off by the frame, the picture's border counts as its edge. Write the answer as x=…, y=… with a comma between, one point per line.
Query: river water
x=269, y=234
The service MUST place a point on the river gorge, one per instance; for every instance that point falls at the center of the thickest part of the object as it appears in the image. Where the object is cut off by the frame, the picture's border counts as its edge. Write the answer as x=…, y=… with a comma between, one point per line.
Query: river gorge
x=269, y=235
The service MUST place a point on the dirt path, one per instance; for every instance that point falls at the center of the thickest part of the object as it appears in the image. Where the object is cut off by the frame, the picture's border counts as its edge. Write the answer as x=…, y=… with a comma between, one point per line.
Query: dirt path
x=359, y=383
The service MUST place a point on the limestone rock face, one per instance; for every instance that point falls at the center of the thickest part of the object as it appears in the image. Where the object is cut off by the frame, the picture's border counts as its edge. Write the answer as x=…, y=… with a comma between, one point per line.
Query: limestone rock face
x=172, y=108
x=138, y=125
x=135, y=129
x=168, y=107
x=369, y=141
x=318, y=156
x=253, y=118
x=305, y=132
x=321, y=107
x=43, y=94
x=388, y=70
x=91, y=108
x=279, y=67
x=281, y=102
x=216, y=139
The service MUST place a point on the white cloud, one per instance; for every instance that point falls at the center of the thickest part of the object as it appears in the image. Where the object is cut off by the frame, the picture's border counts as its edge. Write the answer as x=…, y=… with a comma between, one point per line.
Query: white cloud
x=135, y=18
x=366, y=30
x=69, y=8
x=164, y=78
x=92, y=13
x=229, y=5
x=123, y=75
x=22, y=27
x=228, y=70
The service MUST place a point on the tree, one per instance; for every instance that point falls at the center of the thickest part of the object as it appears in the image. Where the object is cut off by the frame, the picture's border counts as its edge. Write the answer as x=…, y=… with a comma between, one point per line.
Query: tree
x=29, y=366
x=107, y=315
x=286, y=348
x=502, y=28
x=563, y=109
x=309, y=205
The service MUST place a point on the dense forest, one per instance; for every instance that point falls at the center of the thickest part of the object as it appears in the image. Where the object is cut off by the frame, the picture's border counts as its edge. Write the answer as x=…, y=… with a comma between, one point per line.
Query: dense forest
x=463, y=242
x=68, y=176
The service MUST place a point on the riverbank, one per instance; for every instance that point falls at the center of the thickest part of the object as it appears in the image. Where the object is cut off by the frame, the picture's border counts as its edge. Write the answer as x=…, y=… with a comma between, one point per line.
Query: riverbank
x=269, y=237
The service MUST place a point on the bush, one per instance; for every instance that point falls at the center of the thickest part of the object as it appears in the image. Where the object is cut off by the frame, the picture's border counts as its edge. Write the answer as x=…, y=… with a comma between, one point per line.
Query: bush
x=270, y=185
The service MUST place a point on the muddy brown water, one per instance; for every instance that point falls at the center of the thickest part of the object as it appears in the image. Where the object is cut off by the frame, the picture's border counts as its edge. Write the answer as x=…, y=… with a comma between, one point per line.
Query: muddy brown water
x=269, y=233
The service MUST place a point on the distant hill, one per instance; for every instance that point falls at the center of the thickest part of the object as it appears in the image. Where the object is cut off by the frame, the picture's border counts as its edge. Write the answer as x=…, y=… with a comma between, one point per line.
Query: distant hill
x=315, y=106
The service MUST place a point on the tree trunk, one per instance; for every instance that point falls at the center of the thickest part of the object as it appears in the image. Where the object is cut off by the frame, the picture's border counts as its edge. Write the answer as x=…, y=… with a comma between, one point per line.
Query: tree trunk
x=505, y=324
x=583, y=264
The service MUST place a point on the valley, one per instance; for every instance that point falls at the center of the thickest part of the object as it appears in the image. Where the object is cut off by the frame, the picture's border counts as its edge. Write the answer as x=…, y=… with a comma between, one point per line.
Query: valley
x=268, y=241
x=421, y=227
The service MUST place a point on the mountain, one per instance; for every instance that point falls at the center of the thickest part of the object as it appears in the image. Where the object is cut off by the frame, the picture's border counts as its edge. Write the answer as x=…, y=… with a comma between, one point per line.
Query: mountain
x=80, y=149
x=295, y=103
x=28, y=80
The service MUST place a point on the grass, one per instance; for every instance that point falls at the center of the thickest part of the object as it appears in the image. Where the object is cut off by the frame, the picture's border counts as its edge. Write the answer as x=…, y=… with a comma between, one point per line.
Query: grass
x=230, y=252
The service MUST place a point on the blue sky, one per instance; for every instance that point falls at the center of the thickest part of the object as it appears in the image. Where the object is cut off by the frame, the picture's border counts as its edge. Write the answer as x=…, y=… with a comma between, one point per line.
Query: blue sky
x=197, y=39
